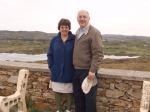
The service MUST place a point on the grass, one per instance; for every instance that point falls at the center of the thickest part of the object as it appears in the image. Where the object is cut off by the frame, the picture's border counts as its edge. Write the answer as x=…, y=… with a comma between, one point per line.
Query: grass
x=24, y=46
x=131, y=48
x=139, y=64
x=110, y=48
x=32, y=107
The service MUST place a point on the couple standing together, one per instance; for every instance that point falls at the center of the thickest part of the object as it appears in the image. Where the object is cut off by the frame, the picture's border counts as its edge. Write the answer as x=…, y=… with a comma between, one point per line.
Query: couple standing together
x=72, y=58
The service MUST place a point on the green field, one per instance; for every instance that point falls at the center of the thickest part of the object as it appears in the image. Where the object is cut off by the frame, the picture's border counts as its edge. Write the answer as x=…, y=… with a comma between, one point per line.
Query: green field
x=24, y=46
x=130, y=48
x=110, y=48
x=139, y=64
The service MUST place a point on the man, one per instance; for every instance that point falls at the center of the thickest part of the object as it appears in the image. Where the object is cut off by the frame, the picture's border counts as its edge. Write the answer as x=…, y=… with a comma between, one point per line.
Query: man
x=87, y=57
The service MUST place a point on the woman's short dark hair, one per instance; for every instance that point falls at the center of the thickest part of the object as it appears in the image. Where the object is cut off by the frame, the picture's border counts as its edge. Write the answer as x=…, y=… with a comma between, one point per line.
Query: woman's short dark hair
x=64, y=22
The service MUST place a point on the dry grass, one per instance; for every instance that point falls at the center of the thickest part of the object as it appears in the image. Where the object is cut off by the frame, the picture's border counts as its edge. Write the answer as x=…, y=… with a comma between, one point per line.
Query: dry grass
x=140, y=64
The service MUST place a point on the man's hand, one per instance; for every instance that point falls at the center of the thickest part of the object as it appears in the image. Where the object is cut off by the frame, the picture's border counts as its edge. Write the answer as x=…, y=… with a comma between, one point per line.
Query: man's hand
x=91, y=75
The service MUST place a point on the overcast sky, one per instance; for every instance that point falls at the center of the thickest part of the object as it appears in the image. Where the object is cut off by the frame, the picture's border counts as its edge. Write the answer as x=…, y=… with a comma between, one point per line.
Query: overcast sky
x=129, y=17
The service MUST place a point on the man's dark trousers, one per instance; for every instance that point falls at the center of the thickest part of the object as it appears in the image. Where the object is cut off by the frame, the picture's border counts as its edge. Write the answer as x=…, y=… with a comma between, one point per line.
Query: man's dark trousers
x=83, y=102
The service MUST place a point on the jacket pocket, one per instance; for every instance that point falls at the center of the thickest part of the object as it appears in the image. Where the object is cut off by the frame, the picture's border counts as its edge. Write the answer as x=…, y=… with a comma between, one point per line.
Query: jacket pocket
x=54, y=72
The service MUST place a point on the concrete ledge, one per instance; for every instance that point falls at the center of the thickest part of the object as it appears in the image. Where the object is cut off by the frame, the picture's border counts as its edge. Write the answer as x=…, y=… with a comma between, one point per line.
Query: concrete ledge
x=124, y=74
x=19, y=65
x=106, y=73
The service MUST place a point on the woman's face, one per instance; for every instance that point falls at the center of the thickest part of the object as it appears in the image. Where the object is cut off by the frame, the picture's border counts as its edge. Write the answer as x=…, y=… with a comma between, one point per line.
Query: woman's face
x=64, y=30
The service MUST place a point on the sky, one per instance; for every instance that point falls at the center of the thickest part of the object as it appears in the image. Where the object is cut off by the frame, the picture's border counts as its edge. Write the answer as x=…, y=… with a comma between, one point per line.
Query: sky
x=126, y=17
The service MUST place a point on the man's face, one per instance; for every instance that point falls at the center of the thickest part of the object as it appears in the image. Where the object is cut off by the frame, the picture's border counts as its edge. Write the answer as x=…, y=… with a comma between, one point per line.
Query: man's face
x=83, y=18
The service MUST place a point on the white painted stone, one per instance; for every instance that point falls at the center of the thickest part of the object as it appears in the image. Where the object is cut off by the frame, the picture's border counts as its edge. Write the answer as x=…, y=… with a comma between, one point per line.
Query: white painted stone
x=18, y=97
x=145, y=101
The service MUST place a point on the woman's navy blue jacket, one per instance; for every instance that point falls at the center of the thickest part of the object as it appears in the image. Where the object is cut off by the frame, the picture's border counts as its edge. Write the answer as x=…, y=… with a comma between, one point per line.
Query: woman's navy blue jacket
x=60, y=56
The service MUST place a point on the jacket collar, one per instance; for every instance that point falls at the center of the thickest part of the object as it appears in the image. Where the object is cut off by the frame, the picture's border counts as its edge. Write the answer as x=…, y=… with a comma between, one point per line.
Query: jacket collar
x=70, y=36
x=83, y=30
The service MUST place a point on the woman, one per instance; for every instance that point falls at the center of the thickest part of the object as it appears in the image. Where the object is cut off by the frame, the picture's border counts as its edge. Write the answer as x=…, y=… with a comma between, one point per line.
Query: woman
x=60, y=63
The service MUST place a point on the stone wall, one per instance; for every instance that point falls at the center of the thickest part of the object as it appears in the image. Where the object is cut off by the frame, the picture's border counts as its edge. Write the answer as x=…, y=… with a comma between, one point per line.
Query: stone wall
x=118, y=90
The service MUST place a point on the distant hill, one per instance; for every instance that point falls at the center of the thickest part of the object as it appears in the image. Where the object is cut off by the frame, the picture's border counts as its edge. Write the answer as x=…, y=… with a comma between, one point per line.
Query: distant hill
x=124, y=38
x=37, y=35
x=26, y=35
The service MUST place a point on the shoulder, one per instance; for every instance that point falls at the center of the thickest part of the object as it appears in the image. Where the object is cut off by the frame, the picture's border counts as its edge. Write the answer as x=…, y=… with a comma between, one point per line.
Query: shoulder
x=55, y=38
x=71, y=35
x=94, y=30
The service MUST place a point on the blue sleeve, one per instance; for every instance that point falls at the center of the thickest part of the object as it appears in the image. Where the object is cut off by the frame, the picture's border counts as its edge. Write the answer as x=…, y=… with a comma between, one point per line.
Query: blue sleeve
x=50, y=55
